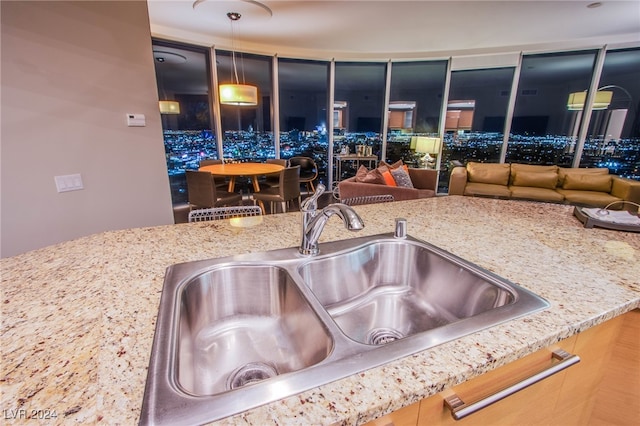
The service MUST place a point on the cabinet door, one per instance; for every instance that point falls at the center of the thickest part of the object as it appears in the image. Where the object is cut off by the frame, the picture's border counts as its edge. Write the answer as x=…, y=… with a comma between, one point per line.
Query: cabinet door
x=534, y=405
x=605, y=387
x=578, y=391
x=617, y=400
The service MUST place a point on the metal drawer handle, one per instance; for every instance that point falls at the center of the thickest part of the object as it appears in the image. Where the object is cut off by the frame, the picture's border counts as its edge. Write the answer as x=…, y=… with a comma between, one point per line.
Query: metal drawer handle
x=459, y=409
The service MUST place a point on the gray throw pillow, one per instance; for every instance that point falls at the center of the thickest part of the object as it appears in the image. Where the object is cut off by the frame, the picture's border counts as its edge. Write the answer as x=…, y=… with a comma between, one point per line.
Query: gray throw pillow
x=401, y=177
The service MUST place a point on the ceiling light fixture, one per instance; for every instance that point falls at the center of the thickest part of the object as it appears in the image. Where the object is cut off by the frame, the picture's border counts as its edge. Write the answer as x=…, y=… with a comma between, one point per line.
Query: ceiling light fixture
x=167, y=106
x=577, y=99
x=236, y=93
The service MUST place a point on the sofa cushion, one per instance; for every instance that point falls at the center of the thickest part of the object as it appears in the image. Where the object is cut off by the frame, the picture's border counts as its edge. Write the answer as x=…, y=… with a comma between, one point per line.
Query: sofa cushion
x=491, y=173
x=563, y=172
x=388, y=178
x=487, y=190
x=384, y=166
x=401, y=177
x=623, y=188
x=535, y=193
x=515, y=168
x=587, y=198
x=547, y=179
x=587, y=182
x=365, y=175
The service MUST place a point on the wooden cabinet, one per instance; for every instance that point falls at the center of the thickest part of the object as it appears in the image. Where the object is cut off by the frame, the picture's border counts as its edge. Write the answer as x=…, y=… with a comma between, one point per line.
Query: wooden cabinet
x=407, y=416
x=401, y=120
x=604, y=387
x=617, y=398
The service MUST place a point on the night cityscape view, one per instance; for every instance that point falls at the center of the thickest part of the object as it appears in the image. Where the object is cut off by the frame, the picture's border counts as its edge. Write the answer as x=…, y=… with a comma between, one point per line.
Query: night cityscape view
x=185, y=149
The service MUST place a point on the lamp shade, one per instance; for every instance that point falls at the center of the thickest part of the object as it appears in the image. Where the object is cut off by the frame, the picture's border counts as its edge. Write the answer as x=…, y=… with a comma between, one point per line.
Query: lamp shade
x=577, y=99
x=169, y=107
x=427, y=145
x=238, y=94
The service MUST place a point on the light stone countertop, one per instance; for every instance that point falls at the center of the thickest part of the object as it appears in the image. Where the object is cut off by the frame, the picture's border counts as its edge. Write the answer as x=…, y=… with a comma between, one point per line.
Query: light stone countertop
x=78, y=318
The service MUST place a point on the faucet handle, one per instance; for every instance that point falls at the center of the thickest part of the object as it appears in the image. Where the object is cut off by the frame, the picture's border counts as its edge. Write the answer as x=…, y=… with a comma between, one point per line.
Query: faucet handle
x=401, y=228
x=311, y=203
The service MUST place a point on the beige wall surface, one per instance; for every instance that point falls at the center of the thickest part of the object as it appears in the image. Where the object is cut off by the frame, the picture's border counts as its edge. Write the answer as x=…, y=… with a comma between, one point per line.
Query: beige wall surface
x=71, y=71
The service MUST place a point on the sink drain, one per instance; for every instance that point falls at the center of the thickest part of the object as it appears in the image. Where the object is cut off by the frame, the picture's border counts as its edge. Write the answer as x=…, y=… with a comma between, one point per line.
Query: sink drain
x=250, y=373
x=382, y=336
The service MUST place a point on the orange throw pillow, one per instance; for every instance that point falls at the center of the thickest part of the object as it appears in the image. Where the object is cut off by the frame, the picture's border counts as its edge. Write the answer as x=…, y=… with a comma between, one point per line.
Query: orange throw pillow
x=388, y=178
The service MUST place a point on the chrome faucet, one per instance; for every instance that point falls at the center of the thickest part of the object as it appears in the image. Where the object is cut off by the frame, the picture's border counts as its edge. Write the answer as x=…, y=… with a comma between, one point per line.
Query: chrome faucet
x=313, y=221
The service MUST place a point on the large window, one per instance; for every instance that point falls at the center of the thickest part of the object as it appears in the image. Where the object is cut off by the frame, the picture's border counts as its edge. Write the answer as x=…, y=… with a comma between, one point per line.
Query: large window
x=546, y=122
x=247, y=130
x=475, y=120
x=415, y=103
x=303, y=111
x=358, y=108
x=545, y=128
x=613, y=139
x=183, y=89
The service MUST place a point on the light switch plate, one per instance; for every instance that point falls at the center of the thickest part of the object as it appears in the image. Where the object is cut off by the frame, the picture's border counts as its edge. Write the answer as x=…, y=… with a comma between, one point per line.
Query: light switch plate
x=69, y=183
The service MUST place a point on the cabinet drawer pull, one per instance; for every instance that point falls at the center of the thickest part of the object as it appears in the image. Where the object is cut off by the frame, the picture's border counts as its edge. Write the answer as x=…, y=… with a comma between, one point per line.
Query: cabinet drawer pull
x=459, y=409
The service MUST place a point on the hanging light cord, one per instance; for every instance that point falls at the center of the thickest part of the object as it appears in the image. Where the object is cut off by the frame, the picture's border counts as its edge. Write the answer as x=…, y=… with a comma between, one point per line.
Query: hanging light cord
x=233, y=17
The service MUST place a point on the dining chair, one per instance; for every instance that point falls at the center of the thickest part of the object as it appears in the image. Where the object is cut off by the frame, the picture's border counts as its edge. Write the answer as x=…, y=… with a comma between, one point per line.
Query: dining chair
x=217, y=213
x=308, y=171
x=288, y=189
x=273, y=179
x=220, y=181
x=202, y=193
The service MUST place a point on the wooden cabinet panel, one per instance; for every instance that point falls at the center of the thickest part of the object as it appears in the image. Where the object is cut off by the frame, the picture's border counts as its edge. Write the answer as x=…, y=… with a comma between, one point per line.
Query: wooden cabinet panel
x=466, y=120
x=604, y=388
x=458, y=120
x=579, y=389
x=396, y=119
x=617, y=399
x=530, y=406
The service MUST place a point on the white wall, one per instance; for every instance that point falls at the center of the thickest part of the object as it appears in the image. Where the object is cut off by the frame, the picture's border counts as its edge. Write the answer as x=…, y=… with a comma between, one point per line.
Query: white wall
x=70, y=73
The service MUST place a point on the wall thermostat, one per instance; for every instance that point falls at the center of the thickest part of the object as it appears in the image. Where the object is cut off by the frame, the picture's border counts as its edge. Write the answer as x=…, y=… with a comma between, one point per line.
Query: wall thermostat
x=136, y=120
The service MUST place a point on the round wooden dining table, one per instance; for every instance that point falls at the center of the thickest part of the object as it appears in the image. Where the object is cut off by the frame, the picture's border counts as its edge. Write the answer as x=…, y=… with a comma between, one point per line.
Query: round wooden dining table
x=250, y=170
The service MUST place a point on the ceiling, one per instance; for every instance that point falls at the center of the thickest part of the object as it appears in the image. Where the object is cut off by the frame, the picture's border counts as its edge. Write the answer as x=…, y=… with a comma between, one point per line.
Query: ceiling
x=377, y=29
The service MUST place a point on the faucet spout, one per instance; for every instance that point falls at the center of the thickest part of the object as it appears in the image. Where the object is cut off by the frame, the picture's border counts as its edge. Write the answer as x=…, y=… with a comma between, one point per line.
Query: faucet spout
x=313, y=226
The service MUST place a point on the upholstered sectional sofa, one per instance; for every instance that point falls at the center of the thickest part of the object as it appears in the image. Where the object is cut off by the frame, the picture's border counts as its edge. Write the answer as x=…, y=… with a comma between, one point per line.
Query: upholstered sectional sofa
x=578, y=186
x=372, y=182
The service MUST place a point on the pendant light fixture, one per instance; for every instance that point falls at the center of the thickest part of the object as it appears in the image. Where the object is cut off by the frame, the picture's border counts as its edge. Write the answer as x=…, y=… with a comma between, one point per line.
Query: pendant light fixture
x=577, y=99
x=166, y=106
x=236, y=93
x=169, y=107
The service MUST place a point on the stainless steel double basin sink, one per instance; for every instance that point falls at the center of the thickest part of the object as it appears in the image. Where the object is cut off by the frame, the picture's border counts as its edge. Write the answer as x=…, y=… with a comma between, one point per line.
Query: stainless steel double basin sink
x=239, y=332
